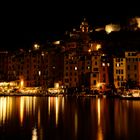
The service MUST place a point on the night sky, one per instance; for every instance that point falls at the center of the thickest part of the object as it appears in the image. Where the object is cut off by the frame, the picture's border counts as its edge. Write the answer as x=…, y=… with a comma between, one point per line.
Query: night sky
x=24, y=23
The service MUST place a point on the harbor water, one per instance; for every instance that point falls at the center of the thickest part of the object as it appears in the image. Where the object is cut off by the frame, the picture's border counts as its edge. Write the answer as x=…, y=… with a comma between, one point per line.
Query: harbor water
x=68, y=118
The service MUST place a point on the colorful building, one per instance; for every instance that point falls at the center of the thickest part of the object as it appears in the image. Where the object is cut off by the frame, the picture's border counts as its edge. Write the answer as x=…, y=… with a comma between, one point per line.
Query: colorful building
x=119, y=71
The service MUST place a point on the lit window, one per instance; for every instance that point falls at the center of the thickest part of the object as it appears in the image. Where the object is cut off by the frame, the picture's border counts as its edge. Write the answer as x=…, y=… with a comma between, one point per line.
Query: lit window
x=98, y=47
x=36, y=46
x=42, y=53
x=88, y=67
x=75, y=68
x=118, y=64
x=39, y=73
x=89, y=50
x=103, y=64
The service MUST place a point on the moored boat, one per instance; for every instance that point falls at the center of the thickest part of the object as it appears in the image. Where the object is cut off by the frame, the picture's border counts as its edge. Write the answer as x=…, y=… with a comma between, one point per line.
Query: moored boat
x=131, y=94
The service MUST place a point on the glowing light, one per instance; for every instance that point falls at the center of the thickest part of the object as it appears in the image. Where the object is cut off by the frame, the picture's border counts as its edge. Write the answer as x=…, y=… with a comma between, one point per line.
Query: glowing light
x=42, y=54
x=98, y=85
x=36, y=46
x=39, y=73
x=103, y=64
x=89, y=50
x=34, y=134
x=22, y=83
x=5, y=109
x=99, y=110
x=2, y=110
x=118, y=64
x=112, y=27
x=138, y=22
x=99, y=29
x=49, y=105
x=56, y=85
x=56, y=42
x=100, y=134
x=98, y=47
x=75, y=68
x=21, y=109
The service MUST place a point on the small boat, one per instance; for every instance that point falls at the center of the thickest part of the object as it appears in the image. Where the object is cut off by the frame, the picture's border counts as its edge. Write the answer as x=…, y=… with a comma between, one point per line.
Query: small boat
x=131, y=94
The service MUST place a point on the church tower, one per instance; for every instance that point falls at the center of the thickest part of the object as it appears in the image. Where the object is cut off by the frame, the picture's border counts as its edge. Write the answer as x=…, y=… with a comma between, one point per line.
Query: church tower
x=84, y=27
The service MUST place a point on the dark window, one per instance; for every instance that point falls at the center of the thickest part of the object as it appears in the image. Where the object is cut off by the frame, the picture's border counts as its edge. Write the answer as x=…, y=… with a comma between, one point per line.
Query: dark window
x=135, y=67
x=95, y=62
x=94, y=82
x=66, y=80
x=121, y=71
x=128, y=67
x=95, y=69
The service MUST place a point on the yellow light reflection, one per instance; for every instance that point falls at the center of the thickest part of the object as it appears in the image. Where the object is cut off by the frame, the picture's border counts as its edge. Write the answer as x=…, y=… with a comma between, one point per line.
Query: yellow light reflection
x=21, y=109
x=75, y=123
x=2, y=110
x=100, y=134
x=99, y=110
x=38, y=117
x=34, y=103
x=56, y=110
x=5, y=109
x=62, y=104
x=49, y=105
x=34, y=134
x=21, y=83
x=27, y=105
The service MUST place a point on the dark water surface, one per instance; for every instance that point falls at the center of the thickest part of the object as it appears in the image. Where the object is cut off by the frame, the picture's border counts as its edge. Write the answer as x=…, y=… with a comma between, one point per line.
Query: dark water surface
x=69, y=118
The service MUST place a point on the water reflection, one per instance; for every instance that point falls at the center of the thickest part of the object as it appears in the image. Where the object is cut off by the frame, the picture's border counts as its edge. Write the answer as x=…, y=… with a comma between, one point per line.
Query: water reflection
x=54, y=104
x=100, y=135
x=34, y=134
x=68, y=118
x=56, y=110
x=75, y=123
x=5, y=109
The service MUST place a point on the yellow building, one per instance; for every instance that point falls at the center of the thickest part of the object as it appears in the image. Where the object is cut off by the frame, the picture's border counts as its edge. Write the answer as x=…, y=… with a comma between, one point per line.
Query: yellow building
x=119, y=71
x=95, y=71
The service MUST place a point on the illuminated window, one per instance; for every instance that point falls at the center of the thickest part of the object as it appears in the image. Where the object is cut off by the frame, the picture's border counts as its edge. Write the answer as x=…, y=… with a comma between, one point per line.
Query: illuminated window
x=103, y=64
x=98, y=46
x=88, y=67
x=75, y=68
x=36, y=46
x=117, y=64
